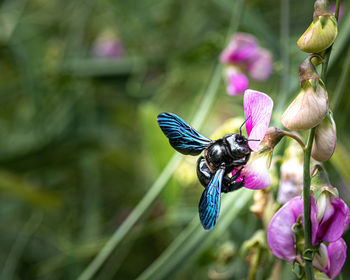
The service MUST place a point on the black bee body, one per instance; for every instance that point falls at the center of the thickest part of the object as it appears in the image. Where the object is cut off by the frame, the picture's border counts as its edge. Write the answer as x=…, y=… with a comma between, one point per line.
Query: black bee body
x=214, y=168
x=231, y=151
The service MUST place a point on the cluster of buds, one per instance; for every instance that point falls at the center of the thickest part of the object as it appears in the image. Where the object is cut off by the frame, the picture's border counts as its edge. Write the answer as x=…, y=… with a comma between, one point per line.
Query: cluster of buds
x=311, y=107
x=244, y=56
x=330, y=217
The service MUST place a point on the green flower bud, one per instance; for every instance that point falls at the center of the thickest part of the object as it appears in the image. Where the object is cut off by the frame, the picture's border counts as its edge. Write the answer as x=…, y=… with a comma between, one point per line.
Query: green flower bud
x=325, y=139
x=308, y=109
x=320, y=35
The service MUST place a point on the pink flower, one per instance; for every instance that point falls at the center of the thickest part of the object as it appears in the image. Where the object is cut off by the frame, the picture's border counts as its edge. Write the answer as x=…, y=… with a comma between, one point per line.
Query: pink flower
x=244, y=54
x=333, y=217
x=280, y=237
x=258, y=107
x=241, y=48
x=329, y=220
x=331, y=259
x=237, y=82
x=260, y=66
x=107, y=45
x=341, y=10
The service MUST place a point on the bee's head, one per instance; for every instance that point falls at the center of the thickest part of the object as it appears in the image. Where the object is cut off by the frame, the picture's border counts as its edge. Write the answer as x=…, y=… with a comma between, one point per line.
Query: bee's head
x=238, y=145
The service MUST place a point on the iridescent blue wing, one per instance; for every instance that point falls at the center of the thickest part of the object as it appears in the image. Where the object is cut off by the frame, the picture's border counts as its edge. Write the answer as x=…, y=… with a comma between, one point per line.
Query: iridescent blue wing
x=209, y=205
x=182, y=137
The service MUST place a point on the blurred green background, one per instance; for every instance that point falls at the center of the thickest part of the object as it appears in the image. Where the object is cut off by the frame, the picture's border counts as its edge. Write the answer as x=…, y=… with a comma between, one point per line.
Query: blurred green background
x=80, y=146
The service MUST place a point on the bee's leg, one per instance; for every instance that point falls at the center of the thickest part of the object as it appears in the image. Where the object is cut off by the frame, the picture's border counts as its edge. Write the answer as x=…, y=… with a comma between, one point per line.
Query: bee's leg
x=229, y=184
x=241, y=161
x=203, y=172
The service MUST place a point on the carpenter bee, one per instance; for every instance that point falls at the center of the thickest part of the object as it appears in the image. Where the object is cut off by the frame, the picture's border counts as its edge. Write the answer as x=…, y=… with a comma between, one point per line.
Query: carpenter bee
x=219, y=159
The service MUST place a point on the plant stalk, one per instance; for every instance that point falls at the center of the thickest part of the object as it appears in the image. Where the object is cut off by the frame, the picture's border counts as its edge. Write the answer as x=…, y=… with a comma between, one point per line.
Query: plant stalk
x=255, y=264
x=308, y=253
x=307, y=256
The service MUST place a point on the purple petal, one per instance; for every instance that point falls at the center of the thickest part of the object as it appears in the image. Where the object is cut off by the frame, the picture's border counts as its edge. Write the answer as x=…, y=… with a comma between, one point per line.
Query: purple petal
x=237, y=81
x=241, y=48
x=341, y=10
x=258, y=106
x=260, y=66
x=280, y=235
x=337, y=256
x=335, y=221
x=256, y=174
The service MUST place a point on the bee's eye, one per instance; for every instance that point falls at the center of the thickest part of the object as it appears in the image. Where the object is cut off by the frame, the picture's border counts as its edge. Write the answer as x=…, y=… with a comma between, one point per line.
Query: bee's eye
x=239, y=140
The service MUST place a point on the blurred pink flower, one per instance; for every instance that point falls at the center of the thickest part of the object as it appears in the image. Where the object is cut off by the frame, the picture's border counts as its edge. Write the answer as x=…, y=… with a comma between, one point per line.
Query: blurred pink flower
x=237, y=82
x=341, y=10
x=108, y=45
x=244, y=55
x=260, y=66
x=242, y=47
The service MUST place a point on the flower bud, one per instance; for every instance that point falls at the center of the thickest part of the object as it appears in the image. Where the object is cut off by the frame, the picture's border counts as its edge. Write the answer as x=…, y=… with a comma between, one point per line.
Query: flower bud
x=325, y=139
x=320, y=35
x=333, y=214
x=320, y=260
x=308, y=109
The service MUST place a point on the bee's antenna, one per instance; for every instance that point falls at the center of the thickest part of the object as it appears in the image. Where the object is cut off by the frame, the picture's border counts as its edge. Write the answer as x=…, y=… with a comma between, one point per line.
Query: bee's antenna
x=253, y=139
x=240, y=129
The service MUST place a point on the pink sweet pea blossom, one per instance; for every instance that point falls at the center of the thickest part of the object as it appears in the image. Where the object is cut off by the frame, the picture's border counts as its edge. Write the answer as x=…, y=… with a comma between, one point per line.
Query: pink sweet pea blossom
x=237, y=82
x=333, y=217
x=329, y=220
x=257, y=110
x=241, y=48
x=259, y=67
x=280, y=236
x=258, y=107
x=245, y=56
x=330, y=260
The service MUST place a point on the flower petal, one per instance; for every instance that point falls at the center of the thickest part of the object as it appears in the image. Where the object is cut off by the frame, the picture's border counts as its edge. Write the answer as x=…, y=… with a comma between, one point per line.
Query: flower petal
x=236, y=81
x=260, y=67
x=255, y=173
x=280, y=236
x=335, y=221
x=325, y=139
x=258, y=107
x=243, y=46
x=337, y=256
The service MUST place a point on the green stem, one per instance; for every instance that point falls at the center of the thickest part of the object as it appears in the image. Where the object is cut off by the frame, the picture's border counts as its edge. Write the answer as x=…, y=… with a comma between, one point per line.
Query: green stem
x=308, y=255
x=255, y=264
x=309, y=271
x=296, y=138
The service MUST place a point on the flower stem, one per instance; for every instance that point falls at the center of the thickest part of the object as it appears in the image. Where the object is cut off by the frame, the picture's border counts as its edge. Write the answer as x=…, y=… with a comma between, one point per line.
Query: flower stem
x=307, y=256
x=255, y=264
x=296, y=138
